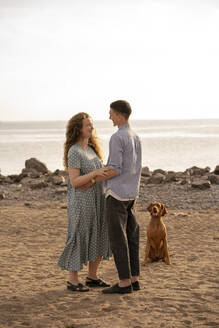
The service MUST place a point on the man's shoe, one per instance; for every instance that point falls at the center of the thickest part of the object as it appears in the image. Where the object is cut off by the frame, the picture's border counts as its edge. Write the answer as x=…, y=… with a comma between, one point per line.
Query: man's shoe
x=116, y=289
x=136, y=285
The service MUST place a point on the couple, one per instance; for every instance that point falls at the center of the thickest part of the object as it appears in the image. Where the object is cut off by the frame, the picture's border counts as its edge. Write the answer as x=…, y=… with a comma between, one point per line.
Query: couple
x=99, y=223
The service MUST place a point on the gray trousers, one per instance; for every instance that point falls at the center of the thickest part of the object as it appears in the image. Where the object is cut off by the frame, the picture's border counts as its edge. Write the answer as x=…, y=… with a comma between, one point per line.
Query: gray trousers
x=123, y=236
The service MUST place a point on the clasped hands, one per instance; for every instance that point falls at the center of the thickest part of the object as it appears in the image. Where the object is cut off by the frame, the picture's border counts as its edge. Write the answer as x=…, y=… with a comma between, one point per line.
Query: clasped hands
x=98, y=175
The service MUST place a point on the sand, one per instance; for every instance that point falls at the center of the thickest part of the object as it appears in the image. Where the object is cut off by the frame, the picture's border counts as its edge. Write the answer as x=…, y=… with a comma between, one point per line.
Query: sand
x=33, y=288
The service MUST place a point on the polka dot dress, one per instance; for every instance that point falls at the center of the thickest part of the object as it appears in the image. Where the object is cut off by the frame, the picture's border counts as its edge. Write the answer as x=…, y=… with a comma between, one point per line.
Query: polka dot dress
x=87, y=234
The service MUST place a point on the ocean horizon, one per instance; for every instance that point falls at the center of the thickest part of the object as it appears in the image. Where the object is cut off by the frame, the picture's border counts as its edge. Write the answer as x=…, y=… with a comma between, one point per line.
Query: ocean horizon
x=172, y=145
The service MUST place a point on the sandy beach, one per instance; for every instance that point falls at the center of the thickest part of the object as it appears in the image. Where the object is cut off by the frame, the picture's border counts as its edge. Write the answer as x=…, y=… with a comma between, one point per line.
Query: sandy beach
x=33, y=292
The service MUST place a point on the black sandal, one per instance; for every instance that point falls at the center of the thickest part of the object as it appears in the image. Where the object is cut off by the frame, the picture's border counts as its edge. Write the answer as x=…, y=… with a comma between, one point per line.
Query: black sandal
x=96, y=283
x=77, y=288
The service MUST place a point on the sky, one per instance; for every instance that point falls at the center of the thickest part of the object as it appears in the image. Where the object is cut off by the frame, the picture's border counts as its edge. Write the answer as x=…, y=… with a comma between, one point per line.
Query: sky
x=58, y=58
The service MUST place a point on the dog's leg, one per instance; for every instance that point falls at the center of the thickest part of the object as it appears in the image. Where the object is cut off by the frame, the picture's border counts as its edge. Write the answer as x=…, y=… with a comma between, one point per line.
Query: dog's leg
x=166, y=253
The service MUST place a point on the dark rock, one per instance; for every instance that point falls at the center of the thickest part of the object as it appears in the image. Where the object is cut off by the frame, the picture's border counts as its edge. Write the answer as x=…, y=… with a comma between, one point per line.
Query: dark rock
x=157, y=179
x=32, y=173
x=16, y=178
x=2, y=178
x=57, y=180
x=159, y=171
x=2, y=195
x=144, y=180
x=34, y=163
x=8, y=180
x=201, y=184
x=145, y=172
x=216, y=170
x=185, y=181
x=213, y=178
x=171, y=176
x=194, y=170
x=27, y=204
x=60, y=172
x=38, y=184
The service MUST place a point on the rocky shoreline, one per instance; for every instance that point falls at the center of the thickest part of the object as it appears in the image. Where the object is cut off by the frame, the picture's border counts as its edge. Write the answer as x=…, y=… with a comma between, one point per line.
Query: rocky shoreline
x=195, y=188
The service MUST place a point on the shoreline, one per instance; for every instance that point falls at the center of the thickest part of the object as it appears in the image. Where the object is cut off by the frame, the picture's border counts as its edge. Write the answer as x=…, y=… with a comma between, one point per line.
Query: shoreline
x=194, y=188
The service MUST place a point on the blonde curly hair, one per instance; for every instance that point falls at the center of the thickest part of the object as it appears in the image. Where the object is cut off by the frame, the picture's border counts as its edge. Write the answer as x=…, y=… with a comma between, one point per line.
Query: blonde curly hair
x=73, y=134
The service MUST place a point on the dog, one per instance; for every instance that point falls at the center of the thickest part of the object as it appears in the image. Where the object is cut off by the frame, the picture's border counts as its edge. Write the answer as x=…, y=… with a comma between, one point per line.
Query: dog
x=156, y=246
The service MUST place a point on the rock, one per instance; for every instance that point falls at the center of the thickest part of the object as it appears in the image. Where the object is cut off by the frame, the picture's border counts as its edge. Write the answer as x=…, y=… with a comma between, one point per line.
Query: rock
x=2, y=178
x=2, y=195
x=216, y=170
x=157, y=179
x=185, y=181
x=171, y=176
x=34, y=163
x=8, y=180
x=194, y=170
x=60, y=172
x=155, y=172
x=27, y=204
x=213, y=178
x=201, y=184
x=144, y=180
x=32, y=173
x=57, y=180
x=60, y=191
x=145, y=172
x=26, y=181
x=181, y=215
x=16, y=178
x=38, y=184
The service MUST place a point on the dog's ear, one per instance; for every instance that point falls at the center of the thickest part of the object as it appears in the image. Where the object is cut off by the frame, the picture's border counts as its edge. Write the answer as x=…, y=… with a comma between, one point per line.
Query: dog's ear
x=163, y=210
x=150, y=207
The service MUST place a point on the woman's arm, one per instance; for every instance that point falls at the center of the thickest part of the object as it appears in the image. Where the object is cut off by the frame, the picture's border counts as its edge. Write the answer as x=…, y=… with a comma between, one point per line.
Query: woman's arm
x=109, y=175
x=78, y=180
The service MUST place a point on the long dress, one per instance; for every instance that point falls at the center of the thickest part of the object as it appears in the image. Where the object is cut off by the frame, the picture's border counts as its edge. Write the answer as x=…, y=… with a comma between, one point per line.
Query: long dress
x=87, y=234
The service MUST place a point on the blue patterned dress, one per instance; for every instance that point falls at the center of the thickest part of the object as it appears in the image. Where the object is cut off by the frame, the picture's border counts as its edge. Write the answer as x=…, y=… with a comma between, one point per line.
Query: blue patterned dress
x=87, y=235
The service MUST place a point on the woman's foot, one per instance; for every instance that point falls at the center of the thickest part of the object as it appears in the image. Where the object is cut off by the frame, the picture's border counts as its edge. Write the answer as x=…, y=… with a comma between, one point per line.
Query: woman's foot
x=77, y=287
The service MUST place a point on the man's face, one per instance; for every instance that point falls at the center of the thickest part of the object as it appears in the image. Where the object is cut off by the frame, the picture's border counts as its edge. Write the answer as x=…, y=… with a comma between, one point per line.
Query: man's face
x=114, y=116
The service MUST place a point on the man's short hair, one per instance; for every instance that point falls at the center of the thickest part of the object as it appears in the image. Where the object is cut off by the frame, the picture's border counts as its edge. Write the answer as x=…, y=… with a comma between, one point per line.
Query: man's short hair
x=122, y=107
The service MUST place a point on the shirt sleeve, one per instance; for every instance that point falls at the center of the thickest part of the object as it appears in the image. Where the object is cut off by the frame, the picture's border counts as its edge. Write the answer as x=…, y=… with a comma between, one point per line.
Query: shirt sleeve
x=74, y=161
x=115, y=158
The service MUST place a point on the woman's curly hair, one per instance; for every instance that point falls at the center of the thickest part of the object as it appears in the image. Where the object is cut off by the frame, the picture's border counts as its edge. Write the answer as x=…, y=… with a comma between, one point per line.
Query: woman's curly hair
x=73, y=134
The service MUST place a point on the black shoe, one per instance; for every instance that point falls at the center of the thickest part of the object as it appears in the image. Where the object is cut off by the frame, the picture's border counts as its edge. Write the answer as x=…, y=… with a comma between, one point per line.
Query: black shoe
x=77, y=288
x=136, y=285
x=96, y=283
x=116, y=289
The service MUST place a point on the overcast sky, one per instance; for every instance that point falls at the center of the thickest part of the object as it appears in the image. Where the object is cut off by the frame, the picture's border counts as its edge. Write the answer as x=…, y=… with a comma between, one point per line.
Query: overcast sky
x=61, y=57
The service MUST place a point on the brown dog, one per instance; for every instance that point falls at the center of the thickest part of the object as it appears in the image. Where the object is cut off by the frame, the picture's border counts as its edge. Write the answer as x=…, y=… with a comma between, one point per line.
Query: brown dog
x=156, y=246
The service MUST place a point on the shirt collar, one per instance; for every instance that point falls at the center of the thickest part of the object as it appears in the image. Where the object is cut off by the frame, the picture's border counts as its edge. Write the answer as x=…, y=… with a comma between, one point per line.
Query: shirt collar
x=124, y=126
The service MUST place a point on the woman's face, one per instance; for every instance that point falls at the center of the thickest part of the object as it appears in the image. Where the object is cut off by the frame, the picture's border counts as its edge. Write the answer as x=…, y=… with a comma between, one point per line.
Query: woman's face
x=87, y=128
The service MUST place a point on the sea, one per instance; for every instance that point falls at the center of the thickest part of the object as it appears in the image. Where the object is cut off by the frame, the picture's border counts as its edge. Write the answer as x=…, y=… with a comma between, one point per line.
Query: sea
x=172, y=145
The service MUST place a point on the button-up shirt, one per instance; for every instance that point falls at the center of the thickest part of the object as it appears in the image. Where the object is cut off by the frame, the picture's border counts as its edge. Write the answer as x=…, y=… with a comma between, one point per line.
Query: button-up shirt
x=125, y=158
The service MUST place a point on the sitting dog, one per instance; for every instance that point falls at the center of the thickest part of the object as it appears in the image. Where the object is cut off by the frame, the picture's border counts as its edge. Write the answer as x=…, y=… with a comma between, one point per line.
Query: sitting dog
x=156, y=246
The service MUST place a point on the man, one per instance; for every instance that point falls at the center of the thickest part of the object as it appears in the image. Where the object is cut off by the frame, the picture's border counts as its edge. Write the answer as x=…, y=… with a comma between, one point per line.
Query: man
x=121, y=191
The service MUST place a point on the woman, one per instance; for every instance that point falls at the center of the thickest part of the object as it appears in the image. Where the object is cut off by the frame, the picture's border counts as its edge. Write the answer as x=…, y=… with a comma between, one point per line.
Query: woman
x=87, y=235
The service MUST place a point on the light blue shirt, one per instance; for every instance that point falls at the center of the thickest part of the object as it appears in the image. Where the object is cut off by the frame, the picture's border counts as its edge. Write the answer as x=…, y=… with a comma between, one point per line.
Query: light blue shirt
x=125, y=158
